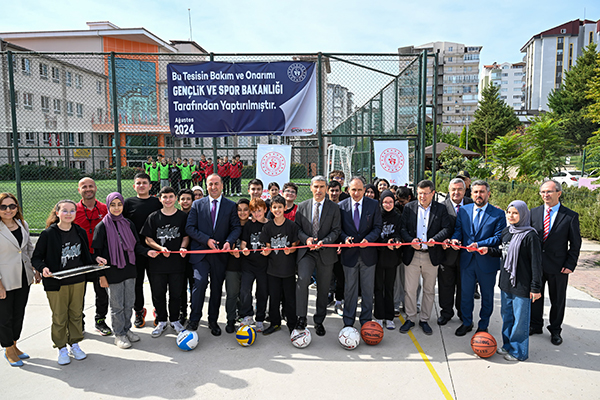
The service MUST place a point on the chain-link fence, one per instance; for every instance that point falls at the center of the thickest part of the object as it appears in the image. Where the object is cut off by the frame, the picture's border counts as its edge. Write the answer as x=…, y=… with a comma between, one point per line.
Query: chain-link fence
x=104, y=114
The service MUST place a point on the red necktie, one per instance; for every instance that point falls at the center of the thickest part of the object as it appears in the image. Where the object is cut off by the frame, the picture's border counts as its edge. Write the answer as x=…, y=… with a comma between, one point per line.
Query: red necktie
x=547, y=224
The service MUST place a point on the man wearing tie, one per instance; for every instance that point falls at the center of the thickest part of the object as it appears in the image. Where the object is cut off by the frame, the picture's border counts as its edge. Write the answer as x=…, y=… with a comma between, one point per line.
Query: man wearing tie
x=361, y=223
x=423, y=221
x=558, y=228
x=318, y=221
x=212, y=223
x=449, y=272
x=478, y=225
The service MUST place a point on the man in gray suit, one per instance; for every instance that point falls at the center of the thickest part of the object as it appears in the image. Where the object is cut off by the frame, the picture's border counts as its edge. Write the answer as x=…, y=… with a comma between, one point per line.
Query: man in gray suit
x=449, y=271
x=318, y=221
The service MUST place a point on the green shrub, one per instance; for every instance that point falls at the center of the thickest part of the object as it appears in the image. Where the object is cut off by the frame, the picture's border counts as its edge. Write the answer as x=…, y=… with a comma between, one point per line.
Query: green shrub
x=249, y=172
x=298, y=170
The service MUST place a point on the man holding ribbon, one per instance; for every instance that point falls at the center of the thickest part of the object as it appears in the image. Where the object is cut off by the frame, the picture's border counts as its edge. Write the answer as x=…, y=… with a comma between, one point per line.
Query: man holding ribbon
x=213, y=224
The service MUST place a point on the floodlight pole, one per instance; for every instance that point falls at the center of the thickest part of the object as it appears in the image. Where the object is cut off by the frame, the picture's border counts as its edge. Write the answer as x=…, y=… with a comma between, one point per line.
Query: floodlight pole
x=15, y=133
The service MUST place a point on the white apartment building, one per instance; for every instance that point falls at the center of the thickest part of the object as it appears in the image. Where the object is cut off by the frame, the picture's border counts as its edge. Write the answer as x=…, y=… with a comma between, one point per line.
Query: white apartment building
x=457, y=82
x=339, y=105
x=549, y=54
x=510, y=79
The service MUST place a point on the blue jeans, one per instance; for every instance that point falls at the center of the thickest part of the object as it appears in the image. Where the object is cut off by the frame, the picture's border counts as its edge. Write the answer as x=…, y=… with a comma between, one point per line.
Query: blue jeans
x=515, y=312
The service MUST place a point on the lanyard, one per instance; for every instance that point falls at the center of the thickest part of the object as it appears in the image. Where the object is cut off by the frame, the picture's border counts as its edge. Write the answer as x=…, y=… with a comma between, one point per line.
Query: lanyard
x=88, y=218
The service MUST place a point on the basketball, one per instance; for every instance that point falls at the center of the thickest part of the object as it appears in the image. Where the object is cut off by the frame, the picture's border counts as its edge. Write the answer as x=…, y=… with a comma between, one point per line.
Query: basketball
x=483, y=344
x=301, y=339
x=245, y=336
x=187, y=340
x=349, y=338
x=371, y=333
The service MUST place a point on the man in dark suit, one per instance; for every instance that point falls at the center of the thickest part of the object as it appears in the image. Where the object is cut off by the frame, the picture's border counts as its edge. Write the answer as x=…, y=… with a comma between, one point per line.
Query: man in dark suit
x=449, y=271
x=361, y=223
x=212, y=223
x=423, y=221
x=558, y=228
x=318, y=221
x=478, y=225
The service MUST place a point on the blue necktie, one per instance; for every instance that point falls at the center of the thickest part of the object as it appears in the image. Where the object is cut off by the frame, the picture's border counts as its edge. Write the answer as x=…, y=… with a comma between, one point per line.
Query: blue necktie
x=356, y=217
x=477, y=219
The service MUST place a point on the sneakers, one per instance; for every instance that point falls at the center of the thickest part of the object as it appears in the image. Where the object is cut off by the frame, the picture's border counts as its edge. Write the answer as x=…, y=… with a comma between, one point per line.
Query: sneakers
x=260, y=326
x=247, y=321
x=160, y=329
x=63, y=356
x=76, y=352
x=406, y=326
x=122, y=342
x=102, y=327
x=389, y=324
x=177, y=326
x=339, y=308
x=271, y=329
x=132, y=337
x=380, y=322
x=140, y=322
x=509, y=357
x=502, y=351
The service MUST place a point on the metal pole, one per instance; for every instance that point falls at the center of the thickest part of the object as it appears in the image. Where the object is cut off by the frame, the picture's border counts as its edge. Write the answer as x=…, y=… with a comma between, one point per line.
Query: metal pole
x=15, y=133
x=417, y=166
x=320, y=110
x=395, y=106
x=423, y=111
x=115, y=110
x=434, y=115
x=214, y=139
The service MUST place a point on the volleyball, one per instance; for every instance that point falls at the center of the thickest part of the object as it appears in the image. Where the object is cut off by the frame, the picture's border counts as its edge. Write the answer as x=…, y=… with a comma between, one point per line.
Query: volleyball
x=187, y=340
x=246, y=335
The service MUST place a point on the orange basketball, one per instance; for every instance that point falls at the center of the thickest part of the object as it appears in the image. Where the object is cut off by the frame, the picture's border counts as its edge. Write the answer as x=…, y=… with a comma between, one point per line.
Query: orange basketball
x=371, y=333
x=483, y=344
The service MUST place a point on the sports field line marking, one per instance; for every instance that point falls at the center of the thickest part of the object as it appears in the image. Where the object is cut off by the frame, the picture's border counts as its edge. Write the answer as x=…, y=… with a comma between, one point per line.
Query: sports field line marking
x=432, y=370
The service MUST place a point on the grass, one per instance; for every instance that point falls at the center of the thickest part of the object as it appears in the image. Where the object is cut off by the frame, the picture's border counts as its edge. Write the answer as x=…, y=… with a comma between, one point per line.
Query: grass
x=39, y=197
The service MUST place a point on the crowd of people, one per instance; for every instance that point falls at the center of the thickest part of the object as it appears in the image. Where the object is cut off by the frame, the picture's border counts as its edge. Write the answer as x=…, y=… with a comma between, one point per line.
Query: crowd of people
x=281, y=249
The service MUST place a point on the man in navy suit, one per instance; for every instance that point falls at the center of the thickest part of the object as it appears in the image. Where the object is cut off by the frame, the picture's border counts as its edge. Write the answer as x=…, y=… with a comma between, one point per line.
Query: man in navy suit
x=212, y=223
x=558, y=228
x=478, y=225
x=361, y=223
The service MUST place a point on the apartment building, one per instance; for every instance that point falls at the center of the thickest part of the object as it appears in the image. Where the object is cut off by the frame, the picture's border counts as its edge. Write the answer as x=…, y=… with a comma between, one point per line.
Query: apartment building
x=510, y=79
x=551, y=53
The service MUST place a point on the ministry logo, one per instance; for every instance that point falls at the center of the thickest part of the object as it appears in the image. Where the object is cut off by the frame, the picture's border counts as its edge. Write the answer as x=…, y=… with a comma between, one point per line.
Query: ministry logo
x=391, y=160
x=273, y=163
x=296, y=72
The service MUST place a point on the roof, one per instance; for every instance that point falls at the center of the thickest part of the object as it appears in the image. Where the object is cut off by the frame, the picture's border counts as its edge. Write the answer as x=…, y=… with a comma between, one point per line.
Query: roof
x=441, y=146
x=191, y=42
x=570, y=28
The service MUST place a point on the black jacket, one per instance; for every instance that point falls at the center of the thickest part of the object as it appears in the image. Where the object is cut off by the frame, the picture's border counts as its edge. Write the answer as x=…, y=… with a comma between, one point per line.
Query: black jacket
x=390, y=229
x=47, y=253
x=452, y=256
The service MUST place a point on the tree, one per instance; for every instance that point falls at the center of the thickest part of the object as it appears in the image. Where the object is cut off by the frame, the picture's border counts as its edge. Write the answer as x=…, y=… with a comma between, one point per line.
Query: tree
x=451, y=160
x=442, y=135
x=593, y=113
x=493, y=118
x=569, y=103
x=545, y=147
x=504, y=152
x=463, y=138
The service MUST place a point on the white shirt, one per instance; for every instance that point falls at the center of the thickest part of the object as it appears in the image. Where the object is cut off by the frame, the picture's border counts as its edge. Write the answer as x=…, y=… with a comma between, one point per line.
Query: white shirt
x=422, y=223
x=462, y=203
x=553, y=214
x=210, y=205
x=359, y=207
x=314, y=204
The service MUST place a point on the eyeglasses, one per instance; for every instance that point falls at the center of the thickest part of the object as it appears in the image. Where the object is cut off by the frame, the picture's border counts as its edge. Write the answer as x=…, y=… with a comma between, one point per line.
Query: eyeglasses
x=68, y=211
x=4, y=207
x=288, y=191
x=338, y=178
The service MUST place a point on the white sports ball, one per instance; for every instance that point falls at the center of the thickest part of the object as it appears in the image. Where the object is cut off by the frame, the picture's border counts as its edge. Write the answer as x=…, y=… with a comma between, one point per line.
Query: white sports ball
x=301, y=339
x=349, y=338
x=187, y=340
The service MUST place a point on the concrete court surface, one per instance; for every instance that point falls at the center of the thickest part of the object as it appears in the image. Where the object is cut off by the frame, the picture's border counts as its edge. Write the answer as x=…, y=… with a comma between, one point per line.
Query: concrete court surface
x=220, y=368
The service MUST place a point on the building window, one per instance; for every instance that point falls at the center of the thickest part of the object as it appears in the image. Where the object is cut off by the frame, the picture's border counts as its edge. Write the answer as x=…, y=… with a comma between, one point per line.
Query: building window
x=517, y=105
x=560, y=40
x=450, y=48
x=16, y=98
x=30, y=138
x=43, y=71
x=56, y=106
x=78, y=81
x=71, y=137
x=517, y=89
x=449, y=59
x=100, y=140
x=79, y=108
x=99, y=114
x=55, y=74
x=68, y=78
x=28, y=101
x=81, y=138
x=102, y=164
x=69, y=108
x=45, y=103
x=25, y=66
x=187, y=142
x=98, y=87
x=448, y=69
x=505, y=74
x=504, y=90
x=505, y=82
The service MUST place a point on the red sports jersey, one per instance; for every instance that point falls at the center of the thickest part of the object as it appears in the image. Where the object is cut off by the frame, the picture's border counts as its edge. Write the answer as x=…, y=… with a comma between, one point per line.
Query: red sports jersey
x=209, y=169
x=235, y=170
x=88, y=219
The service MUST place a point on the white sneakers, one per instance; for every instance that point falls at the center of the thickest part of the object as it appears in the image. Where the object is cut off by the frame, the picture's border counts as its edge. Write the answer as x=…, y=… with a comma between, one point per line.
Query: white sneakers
x=76, y=352
x=390, y=324
x=132, y=337
x=260, y=326
x=247, y=321
x=177, y=326
x=380, y=322
x=160, y=329
x=63, y=356
x=122, y=342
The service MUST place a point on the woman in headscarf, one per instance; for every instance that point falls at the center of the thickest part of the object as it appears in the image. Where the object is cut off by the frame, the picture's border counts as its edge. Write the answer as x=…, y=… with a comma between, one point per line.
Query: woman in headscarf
x=117, y=242
x=371, y=191
x=387, y=262
x=520, y=280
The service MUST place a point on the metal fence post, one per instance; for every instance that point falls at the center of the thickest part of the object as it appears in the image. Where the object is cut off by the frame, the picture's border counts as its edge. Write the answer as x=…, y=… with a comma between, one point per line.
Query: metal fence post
x=214, y=139
x=434, y=116
x=320, y=112
x=15, y=133
x=115, y=109
x=423, y=112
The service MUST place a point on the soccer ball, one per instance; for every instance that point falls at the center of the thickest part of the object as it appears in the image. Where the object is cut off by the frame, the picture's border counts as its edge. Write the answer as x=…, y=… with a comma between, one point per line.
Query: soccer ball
x=301, y=338
x=187, y=340
x=349, y=338
x=246, y=335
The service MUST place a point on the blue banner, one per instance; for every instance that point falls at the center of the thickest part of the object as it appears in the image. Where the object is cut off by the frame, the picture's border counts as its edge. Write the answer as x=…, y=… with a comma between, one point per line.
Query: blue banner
x=222, y=99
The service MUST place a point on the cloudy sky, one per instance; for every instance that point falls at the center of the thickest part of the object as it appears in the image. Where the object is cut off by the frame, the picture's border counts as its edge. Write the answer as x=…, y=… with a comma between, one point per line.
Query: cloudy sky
x=502, y=28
